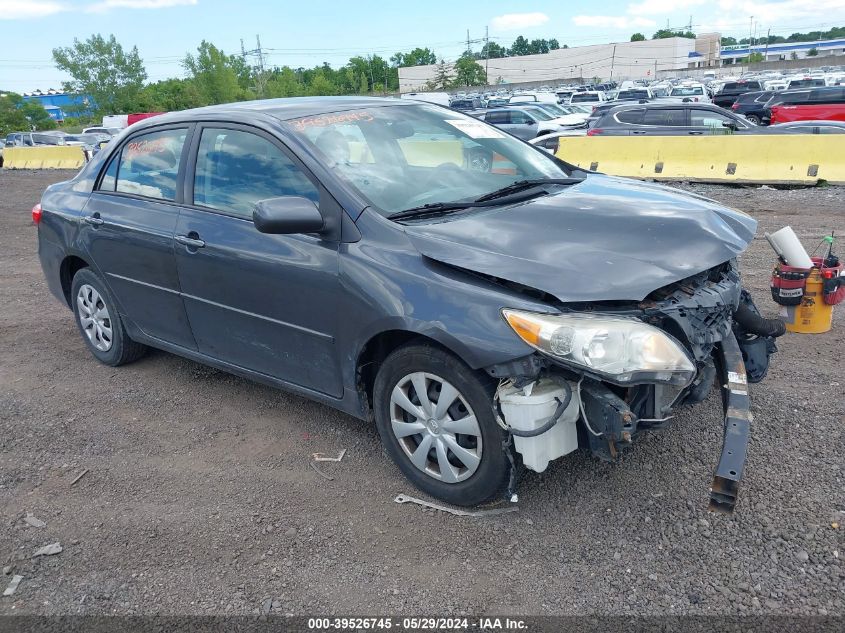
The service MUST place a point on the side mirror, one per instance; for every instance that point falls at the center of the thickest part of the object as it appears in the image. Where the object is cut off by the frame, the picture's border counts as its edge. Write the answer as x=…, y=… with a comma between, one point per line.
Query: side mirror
x=287, y=215
x=530, y=122
x=731, y=126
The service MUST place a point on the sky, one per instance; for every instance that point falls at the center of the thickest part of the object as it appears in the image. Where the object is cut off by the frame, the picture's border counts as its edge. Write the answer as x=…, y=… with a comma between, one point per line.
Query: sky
x=316, y=31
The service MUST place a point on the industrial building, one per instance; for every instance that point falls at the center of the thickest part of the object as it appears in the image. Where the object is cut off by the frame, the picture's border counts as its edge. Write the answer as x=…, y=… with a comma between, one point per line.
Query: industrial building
x=60, y=105
x=621, y=60
x=784, y=51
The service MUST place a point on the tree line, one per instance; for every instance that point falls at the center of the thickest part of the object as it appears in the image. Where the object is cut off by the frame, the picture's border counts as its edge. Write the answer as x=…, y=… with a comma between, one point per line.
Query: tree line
x=836, y=32
x=116, y=81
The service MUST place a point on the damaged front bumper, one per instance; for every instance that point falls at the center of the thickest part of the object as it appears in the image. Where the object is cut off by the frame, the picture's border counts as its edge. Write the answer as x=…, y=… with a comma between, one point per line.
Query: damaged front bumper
x=737, y=426
x=700, y=313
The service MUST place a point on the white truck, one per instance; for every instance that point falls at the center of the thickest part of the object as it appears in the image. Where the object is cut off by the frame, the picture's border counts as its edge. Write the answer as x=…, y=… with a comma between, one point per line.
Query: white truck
x=116, y=120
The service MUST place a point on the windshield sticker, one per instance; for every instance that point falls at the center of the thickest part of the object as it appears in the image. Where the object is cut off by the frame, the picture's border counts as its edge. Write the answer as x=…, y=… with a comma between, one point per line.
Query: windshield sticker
x=475, y=129
x=332, y=119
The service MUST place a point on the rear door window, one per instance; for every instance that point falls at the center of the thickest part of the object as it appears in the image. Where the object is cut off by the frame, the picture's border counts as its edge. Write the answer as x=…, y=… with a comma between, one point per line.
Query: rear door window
x=148, y=165
x=665, y=117
x=235, y=169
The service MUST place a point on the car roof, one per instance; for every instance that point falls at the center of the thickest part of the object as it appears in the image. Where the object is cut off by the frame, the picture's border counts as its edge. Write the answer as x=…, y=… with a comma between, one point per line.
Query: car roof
x=284, y=109
x=656, y=105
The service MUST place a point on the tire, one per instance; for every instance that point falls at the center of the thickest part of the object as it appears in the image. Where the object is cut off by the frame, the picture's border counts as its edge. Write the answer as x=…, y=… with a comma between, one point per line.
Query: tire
x=753, y=119
x=99, y=323
x=464, y=464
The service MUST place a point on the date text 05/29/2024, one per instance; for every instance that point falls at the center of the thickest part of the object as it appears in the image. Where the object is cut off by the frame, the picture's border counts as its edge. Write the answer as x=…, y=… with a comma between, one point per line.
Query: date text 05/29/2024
x=417, y=624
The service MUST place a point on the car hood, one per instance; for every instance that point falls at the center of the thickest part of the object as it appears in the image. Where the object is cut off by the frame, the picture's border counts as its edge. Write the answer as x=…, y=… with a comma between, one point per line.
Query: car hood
x=604, y=239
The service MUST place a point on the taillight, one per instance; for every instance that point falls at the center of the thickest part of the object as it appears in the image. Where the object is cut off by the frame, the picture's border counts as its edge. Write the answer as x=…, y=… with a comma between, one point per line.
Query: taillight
x=595, y=131
x=735, y=106
x=36, y=213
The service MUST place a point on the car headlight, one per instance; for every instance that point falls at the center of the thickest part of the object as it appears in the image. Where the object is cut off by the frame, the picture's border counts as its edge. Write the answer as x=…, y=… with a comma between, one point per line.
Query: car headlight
x=622, y=350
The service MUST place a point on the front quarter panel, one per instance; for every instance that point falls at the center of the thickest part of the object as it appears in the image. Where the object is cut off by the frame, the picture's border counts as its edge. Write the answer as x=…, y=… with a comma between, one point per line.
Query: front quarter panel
x=391, y=286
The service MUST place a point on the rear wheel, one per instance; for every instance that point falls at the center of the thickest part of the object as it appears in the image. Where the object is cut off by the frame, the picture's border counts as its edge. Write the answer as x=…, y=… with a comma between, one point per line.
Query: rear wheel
x=99, y=322
x=753, y=119
x=435, y=418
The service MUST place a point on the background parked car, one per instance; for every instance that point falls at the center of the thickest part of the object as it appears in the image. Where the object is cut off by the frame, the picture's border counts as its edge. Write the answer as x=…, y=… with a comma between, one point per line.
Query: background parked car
x=521, y=122
x=752, y=105
x=658, y=119
x=693, y=92
x=466, y=104
x=731, y=91
x=808, y=112
x=563, y=120
x=809, y=96
x=804, y=83
x=31, y=139
x=588, y=96
x=634, y=94
x=808, y=127
x=110, y=131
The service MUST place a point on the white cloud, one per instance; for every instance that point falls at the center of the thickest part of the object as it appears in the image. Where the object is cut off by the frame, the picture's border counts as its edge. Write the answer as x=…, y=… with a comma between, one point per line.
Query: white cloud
x=515, y=21
x=18, y=9
x=612, y=21
x=783, y=10
x=661, y=7
x=107, y=5
x=783, y=16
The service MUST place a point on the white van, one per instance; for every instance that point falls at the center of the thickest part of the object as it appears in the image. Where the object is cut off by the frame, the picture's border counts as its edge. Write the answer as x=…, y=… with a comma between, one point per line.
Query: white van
x=440, y=98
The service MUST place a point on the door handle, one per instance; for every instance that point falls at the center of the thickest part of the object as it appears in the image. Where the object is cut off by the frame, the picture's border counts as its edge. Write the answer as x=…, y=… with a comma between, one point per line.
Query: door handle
x=638, y=132
x=696, y=133
x=190, y=242
x=95, y=220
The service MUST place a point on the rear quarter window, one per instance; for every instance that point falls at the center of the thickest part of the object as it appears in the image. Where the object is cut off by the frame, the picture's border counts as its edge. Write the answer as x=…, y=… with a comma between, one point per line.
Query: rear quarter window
x=630, y=116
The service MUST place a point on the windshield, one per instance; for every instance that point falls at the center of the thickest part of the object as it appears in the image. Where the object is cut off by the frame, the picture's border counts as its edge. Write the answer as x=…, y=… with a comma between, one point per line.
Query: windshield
x=539, y=113
x=686, y=92
x=554, y=109
x=399, y=157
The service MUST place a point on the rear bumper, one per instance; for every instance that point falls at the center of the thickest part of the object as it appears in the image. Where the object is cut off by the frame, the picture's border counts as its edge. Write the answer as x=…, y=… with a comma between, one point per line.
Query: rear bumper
x=737, y=426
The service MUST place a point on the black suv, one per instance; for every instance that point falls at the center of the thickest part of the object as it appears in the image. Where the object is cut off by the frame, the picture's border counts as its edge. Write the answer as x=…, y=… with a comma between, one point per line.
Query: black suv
x=466, y=104
x=657, y=119
x=752, y=105
x=730, y=92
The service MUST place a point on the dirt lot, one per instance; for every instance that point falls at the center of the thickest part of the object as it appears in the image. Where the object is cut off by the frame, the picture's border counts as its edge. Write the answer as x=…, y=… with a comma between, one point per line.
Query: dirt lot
x=199, y=497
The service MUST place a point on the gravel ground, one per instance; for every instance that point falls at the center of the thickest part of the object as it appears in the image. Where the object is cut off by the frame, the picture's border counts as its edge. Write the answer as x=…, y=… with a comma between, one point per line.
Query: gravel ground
x=199, y=497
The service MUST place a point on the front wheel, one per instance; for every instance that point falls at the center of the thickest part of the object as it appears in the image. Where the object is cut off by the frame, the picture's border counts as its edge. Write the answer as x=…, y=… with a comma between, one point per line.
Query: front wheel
x=435, y=417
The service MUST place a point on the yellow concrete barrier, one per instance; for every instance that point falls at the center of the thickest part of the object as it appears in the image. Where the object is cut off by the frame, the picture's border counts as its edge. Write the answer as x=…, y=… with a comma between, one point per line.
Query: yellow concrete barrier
x=755, y=159
x=44, y=157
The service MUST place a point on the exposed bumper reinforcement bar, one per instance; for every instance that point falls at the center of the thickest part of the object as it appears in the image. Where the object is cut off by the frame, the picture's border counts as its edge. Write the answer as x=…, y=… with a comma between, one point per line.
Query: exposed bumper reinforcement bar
x=737, y=405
